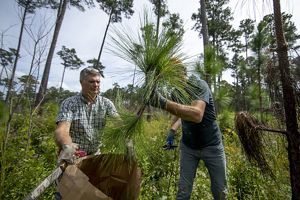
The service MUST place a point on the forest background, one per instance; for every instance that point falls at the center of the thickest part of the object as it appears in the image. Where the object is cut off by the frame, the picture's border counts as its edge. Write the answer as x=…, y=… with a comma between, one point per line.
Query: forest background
x=29, y=106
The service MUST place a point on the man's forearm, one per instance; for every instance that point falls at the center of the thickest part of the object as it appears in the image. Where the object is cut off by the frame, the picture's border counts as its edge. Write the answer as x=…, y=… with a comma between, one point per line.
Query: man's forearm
x=176, y=123
x=62, y=135
x=185, y=112
x=62, y=138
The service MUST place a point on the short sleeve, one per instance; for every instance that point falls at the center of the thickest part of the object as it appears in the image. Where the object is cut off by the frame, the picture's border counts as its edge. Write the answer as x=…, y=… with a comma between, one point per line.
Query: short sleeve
x=204, y=93
x=111, y=109
x=65, y=113
x=198, y=90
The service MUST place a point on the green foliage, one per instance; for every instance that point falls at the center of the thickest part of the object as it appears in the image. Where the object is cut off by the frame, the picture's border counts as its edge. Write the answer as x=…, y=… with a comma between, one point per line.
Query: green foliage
x=160, y=60
x=6, y=57
x=174, y=24
x=219, y=16
x=115, y=8
x=289, y=29
x=213, y=63
x=55, y=95
x=70, y=58
x=159, y=167
x=254, y=101
x=30, y=152
x=160, y=7
x=226, y=120
x=3, y=113
x=128, y=97
x=97, y=65
x=30, y=6
x=130, y=126
x=246, y=181
x=28, y=165
x=223, y=98
x=24, y=174
x=80, y=5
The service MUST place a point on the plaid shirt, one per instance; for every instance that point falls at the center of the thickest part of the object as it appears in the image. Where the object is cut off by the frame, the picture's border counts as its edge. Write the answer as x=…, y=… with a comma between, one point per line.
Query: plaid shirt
x=87, y=122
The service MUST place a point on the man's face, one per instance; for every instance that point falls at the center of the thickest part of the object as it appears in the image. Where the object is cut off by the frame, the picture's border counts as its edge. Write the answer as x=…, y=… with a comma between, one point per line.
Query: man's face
x=91, y=85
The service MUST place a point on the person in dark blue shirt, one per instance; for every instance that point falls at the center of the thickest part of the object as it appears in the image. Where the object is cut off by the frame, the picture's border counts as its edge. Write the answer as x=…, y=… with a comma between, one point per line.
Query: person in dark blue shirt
x=201, y=138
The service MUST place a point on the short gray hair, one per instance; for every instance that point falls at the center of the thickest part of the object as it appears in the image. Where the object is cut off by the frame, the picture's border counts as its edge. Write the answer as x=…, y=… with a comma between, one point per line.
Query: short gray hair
x=89, y=71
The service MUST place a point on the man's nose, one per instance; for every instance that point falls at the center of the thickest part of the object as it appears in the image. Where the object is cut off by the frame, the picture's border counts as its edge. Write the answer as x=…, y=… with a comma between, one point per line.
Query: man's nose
x=96, y=83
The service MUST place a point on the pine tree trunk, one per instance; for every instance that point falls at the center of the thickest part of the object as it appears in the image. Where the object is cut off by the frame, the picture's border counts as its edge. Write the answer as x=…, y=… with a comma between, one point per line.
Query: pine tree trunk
x=158, y=19
x=259, y=83
x=11, y=80
x=104, y=37
x=62, y=79
x=205, y=36
x=293, y=136
x=59, y=21
x=204, y=30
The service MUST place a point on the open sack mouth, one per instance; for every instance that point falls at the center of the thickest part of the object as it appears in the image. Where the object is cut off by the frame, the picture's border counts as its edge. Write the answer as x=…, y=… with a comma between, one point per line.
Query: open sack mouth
x=105, y=176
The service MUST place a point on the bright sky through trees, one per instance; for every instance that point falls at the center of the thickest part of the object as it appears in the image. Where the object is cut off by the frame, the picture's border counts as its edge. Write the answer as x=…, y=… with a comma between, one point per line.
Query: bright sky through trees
x=84, y=31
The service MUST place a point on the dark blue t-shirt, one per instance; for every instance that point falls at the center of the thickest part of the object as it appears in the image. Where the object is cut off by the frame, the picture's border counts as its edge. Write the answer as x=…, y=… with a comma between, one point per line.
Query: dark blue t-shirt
x=207, y=132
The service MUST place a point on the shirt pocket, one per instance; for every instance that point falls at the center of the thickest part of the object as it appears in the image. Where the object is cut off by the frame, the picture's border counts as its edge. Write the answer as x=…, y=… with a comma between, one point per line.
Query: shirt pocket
x=79, y=122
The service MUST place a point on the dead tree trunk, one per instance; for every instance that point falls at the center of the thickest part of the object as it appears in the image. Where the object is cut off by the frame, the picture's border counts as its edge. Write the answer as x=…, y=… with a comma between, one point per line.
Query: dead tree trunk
x=293, y=136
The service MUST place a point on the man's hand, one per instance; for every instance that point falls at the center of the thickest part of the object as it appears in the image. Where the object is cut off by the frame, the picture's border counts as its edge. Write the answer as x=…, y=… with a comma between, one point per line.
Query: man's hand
x=157, y=100
x=67, y=154
x=170, y=140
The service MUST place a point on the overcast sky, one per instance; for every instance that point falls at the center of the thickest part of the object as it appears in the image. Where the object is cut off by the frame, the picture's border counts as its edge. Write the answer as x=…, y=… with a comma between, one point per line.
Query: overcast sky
x=84, y=31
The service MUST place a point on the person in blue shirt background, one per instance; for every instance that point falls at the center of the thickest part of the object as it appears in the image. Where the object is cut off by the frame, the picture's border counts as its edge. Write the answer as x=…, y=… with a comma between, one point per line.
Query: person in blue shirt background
x=201, y=138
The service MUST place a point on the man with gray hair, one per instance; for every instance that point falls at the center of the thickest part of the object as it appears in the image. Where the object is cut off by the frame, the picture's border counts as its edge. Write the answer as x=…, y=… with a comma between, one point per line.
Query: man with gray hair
x=82, y=117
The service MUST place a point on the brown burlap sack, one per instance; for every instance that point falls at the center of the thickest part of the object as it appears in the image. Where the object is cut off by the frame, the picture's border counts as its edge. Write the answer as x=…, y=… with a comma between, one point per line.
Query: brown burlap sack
x=101, y=177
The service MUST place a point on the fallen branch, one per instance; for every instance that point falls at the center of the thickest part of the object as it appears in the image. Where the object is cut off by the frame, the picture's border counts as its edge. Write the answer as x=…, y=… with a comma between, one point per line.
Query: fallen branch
x=250, y=134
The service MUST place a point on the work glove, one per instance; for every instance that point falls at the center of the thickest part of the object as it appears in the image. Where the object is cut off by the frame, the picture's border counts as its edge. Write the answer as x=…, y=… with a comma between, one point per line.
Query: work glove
x=170, y=140
x=157, y=100
x=67, y=154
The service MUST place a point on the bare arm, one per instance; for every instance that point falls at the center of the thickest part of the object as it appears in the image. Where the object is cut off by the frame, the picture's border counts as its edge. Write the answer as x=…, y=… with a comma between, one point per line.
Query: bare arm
x=62, y=134
x=193, y=112
x=176, y=123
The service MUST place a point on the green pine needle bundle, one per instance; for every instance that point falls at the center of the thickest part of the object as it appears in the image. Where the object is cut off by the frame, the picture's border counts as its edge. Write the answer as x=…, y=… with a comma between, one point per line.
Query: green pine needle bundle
x=158, y=58
x=161, y=67
x=117, y=132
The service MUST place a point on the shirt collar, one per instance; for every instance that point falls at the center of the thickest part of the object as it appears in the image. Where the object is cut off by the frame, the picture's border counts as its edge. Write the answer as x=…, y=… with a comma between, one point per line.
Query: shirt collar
x=85, y=100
